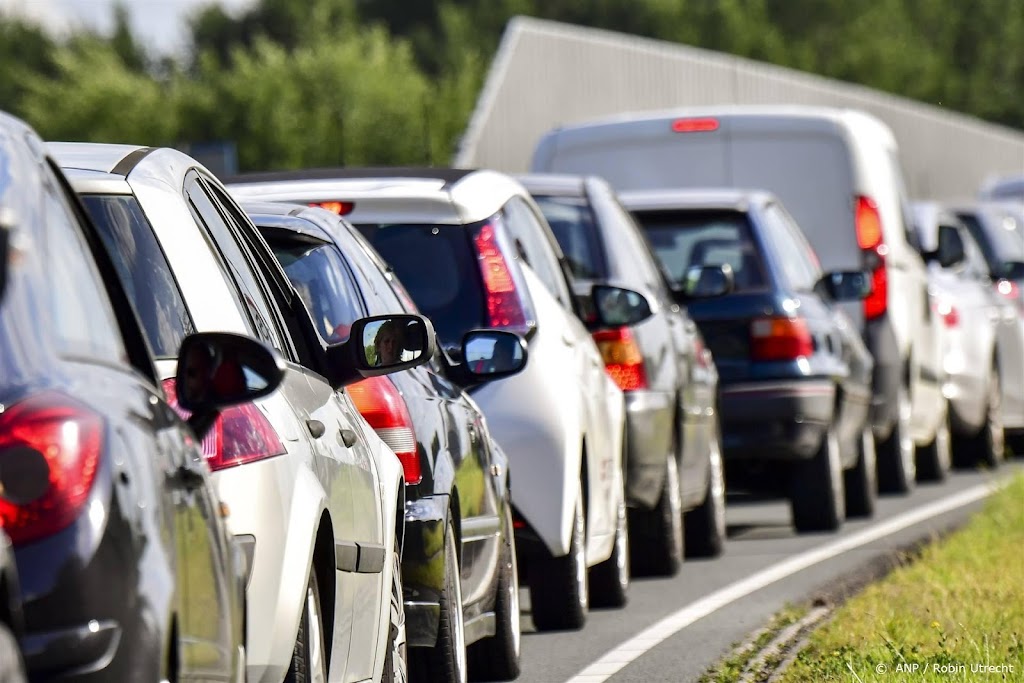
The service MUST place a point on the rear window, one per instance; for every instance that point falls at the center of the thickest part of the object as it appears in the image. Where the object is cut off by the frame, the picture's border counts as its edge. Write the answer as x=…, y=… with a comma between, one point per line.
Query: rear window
x=143, y=270
x=687, y=239
x=1000, y=236
x=438, y=267
x=572, y=222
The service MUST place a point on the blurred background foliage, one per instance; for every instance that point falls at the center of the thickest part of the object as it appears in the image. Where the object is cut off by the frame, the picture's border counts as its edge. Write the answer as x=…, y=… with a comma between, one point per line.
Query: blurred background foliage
x=297, y=83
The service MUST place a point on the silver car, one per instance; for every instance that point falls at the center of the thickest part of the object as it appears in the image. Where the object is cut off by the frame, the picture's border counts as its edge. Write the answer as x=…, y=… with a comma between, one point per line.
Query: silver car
x=315, y=496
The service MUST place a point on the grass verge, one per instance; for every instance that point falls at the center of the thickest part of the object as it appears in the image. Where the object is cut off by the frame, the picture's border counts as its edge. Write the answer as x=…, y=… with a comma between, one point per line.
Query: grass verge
x=955, y=614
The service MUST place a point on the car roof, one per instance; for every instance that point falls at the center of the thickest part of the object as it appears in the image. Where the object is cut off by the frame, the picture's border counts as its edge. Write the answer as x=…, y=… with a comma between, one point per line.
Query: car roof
x=445, y=196
x=559, y=184
x=94, y=165
x=692, y=199
x=294, y=218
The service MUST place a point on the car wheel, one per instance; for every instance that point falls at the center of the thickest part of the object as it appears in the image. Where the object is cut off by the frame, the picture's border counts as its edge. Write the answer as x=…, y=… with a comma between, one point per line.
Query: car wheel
x=446, y=661
x=396, y=658
x=988, y=445
x=705, y=525
x=609, y=581
x=11, y=669
x=860, y=482
x=656, y=543
x=896, y=467
x=497, y=658
x=559, y=593
x=816, y=497
x=309, y=657
x=933, y=461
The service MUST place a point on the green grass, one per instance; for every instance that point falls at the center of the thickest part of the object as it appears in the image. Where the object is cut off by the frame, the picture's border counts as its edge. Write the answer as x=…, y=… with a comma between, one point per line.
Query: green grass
x=960, y=605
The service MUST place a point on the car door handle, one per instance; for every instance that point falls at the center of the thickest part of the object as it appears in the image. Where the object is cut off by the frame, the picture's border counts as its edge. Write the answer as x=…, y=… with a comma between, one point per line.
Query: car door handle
x=188, y=478
x=347, y=437
x=316, y=428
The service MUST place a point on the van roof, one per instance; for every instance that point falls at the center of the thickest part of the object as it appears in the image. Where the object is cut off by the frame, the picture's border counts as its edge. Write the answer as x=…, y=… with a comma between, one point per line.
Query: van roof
x=697, y=198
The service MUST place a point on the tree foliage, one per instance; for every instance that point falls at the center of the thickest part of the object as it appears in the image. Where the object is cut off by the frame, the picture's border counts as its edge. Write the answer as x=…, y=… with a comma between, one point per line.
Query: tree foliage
x=325, y=82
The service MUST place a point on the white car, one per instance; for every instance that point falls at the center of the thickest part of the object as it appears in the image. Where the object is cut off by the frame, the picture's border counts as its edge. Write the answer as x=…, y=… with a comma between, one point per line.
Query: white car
x=315, y=497
x=473, y=250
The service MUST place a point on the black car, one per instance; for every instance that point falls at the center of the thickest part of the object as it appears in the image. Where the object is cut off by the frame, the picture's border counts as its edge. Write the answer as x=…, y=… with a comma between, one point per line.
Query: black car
x=457, y=477
x=673, y=460
x=121, y=550
x=794, y=374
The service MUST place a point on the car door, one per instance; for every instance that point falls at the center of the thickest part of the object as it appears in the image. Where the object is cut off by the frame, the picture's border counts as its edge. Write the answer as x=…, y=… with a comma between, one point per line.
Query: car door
x=160, y=463
x=977, y=310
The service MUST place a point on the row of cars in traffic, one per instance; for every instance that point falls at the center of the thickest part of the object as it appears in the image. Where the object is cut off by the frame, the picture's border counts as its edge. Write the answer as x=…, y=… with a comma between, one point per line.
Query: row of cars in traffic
x=319, y=425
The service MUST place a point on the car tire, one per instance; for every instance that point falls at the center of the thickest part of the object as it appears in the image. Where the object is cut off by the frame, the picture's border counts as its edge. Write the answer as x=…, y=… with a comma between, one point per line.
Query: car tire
x=896, y=466
x=396, y=657
x=309, y=656
x=446, y=661
x=934, y=460
x=497, y=658
x=11, y=668
x=705, y=525
x=860, y=482
x=816, y=495
x=559, y=590
x=988, y=445
x=609, y=580
x=657, y=536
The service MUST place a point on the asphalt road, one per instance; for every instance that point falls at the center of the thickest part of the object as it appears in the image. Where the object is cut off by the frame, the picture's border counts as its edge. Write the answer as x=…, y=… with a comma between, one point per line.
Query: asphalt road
x=762, y=547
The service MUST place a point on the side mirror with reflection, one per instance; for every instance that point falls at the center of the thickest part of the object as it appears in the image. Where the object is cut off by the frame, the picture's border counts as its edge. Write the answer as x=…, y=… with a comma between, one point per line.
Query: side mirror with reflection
x=618, y=307
x=705, y=282
x=1012, y=270
x=489, y=355
x=845, y=285
x=221, y=369
x=380, y=345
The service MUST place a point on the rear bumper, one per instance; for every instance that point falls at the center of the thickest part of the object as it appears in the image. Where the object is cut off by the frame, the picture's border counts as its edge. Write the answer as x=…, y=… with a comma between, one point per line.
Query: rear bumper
x=776, y=419
x=423, y=568
x=649, y=417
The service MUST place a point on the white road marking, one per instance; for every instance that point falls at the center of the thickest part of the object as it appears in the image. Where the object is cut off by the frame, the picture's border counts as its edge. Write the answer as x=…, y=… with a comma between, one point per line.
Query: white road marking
x=610, y=664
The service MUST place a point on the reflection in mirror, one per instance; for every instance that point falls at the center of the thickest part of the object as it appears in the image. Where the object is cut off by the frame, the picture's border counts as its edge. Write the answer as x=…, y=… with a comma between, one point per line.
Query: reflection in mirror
x=708, y=281
x=221, y=369
x=392, y=341
x=848, y=285
x=616, y=307
x=493, y=352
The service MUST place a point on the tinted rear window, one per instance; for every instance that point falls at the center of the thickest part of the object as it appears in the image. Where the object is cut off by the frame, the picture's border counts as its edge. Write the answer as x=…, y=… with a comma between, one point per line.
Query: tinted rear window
x=439, y=268
x=143, y=270
x=685, y=239
x=572, y=222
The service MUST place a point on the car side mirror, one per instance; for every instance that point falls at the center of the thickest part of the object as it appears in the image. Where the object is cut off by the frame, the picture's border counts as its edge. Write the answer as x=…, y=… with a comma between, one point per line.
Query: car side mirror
x=221, y=369
x=489, y=355
x=6, y=226
x=618, y=307
x=705, y=282
x=951, y=251
x=1012, y=270
x=845, y=285
x=380, y=345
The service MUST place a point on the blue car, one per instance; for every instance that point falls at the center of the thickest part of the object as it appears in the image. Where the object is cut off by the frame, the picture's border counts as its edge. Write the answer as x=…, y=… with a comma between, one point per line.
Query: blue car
x=794, y=374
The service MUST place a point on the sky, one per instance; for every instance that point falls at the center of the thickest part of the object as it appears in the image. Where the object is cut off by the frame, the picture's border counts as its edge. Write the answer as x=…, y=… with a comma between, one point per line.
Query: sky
x=158, y=24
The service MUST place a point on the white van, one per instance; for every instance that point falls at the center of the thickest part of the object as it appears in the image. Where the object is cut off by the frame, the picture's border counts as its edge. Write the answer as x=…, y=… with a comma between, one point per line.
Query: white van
x=838, y=173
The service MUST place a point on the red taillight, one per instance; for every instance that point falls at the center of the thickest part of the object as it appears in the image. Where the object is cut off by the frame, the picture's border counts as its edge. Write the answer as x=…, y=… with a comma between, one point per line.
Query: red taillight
x=780, y=339
x=622, y=358
x=504, y=306
x=947, y=311
x=1012, y=291
x=868, y=224
x=340, y=208
x=378, y=401
x=241, y=434
x=50, y=448
x=704, y=125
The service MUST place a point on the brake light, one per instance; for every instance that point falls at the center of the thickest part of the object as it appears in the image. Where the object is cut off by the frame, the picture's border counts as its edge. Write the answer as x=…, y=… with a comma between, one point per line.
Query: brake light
x=241, y=434
x=780, y=339
x=868, y=224
x=705, y=125
x=622, y=358
x=340, y=208
x=378, y=401
x=50, y=449
x=505, y=308
x=947, y=311
x=1012, y=291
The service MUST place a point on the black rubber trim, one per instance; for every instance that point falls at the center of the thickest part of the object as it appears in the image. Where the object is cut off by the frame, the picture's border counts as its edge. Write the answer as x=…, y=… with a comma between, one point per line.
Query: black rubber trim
x=129, y=162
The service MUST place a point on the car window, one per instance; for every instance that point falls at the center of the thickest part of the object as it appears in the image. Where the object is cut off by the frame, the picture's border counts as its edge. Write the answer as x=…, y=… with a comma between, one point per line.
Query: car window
x=572, y=222
x=143, y=270
x=324, y=284
x=794, y=256
x=642, y=255
x=687, y=239
x=530, y=238
x=256, y=310
x=83, y=317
